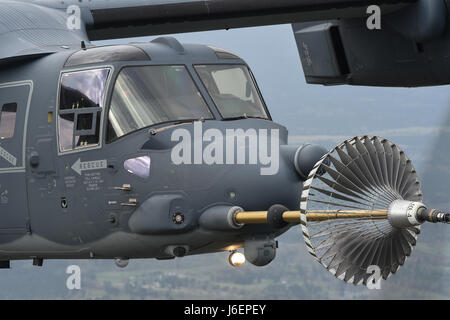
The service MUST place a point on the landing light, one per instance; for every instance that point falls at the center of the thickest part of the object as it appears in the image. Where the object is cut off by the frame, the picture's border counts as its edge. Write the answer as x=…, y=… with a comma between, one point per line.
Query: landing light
x=236, y=259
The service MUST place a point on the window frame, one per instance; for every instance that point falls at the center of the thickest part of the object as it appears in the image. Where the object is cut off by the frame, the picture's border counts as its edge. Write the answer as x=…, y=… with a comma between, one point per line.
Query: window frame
x=126, y=52
x=113, y=87
x=269, y=117
x=101, y=109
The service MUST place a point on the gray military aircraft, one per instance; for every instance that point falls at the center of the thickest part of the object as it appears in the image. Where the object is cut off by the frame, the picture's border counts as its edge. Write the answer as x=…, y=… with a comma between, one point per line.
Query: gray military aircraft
x=91, y=165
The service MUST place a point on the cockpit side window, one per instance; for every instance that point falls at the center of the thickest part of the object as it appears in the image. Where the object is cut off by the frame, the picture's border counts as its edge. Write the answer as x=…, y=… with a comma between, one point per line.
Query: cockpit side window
x=81, y=102
x=233, y=90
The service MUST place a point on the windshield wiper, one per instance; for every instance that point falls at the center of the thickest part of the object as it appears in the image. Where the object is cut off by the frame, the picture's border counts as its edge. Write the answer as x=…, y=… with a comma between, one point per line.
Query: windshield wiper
x=188, y=121
x=244, y=116
x=175, y=124
x=235, y=118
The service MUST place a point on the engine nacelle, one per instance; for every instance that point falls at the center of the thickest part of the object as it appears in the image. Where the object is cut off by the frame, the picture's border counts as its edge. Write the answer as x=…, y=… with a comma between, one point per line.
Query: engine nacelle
x=411, y=49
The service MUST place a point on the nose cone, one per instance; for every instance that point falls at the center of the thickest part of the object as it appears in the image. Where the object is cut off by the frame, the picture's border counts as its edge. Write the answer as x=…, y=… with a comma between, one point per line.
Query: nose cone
x=306, y=157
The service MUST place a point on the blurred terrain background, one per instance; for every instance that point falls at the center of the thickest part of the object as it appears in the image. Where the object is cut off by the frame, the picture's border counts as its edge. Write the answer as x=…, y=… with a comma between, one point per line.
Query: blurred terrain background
x=417, y=119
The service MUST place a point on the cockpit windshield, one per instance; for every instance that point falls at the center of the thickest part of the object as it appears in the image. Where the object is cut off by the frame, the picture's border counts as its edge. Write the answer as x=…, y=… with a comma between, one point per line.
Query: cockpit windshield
x=148, y=95
x=233, y=90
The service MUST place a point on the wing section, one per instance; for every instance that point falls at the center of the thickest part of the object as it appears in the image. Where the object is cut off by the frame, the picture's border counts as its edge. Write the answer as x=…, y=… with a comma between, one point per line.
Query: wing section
x=31, y=31
x=112, y=19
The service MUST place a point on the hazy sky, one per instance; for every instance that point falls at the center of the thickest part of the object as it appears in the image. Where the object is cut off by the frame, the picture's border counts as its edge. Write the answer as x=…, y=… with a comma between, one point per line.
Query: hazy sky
x=417, y=119
x=319, y=112
x=327, y=115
